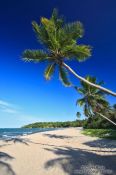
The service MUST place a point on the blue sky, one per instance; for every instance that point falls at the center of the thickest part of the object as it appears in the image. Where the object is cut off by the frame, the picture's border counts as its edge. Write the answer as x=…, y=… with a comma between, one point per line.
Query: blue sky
x=25, y=96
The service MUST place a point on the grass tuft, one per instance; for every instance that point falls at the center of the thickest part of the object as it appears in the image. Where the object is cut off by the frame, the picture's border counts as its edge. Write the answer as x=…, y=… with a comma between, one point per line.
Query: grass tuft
x=101, y=133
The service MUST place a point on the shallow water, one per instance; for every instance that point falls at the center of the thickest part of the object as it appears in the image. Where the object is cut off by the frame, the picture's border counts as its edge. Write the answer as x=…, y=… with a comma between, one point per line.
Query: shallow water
x=14, y=132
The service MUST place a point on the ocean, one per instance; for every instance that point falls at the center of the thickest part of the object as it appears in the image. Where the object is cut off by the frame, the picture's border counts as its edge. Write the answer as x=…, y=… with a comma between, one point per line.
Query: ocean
x=6, y=133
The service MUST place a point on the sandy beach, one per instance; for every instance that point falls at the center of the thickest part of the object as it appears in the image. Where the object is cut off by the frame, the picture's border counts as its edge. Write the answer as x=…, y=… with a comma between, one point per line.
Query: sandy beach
x=59, y=152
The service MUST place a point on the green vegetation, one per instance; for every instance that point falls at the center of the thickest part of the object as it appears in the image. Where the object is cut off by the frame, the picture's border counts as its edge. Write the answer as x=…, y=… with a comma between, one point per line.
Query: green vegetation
x=97, y=122
x=102, y=133
x=95, y=106
x=61, y=43
x=78, y=114
x=77, y=123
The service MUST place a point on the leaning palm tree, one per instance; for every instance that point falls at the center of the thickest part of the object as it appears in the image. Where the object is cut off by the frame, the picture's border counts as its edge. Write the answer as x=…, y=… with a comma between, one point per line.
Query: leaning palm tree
x=93, y=100
x=61, y=43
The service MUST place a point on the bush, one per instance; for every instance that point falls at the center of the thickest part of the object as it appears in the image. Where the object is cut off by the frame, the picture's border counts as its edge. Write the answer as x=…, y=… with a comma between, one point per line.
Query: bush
x=97, y=122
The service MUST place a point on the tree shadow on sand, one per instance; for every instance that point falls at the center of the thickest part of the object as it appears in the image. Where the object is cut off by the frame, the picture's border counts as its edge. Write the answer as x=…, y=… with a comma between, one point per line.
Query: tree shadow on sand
x=16, y=140
x=57, y=136
x=102, y=143
x=5, y=168
x=79, y=162
x=4, y=145
x=19, y=140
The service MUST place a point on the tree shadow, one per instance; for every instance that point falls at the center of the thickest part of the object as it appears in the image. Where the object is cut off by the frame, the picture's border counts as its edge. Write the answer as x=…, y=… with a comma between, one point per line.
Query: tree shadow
x=5, y=168
x=57, y=136
x=53, y=145
x=4, y=145
x=79, y=162
x=17, y=140
x=5, y=155
x=101, y=143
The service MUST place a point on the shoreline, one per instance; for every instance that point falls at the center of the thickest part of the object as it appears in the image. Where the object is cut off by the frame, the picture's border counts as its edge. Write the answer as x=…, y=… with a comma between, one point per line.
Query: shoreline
x=64, y=151
x=10, y=134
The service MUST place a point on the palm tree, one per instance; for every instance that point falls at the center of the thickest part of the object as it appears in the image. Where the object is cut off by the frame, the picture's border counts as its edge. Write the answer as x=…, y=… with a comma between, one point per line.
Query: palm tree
x=93, y=100
x=61, y=43
x=78, y=114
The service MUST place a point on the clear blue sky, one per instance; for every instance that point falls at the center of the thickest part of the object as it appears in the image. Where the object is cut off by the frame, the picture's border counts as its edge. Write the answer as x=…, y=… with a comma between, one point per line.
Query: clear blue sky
x=25, y=96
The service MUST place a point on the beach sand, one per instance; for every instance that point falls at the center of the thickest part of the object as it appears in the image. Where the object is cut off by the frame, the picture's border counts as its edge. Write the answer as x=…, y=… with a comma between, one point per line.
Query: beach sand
x=58, y=152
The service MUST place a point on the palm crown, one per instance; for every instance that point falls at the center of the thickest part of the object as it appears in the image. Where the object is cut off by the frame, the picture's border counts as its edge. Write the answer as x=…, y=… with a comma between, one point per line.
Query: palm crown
x=93, y=99
x=61, y=42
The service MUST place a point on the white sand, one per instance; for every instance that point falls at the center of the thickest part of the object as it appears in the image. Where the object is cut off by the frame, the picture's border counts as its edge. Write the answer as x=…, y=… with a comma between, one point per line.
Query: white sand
x=59, y=152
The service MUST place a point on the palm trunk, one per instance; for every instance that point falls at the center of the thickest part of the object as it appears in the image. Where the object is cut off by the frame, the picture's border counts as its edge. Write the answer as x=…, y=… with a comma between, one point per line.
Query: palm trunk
x=106, y=118
x=86, y=81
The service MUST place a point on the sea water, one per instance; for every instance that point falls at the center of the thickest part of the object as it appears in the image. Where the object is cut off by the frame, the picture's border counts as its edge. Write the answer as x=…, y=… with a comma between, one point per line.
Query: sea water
x=16, y=132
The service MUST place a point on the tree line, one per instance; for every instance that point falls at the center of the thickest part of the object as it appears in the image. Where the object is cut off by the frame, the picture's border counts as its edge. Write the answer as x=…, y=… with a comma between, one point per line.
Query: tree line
x=77, y=123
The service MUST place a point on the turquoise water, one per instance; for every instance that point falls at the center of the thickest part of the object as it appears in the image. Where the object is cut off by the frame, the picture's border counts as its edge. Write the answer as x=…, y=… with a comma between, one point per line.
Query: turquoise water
x=14, y=132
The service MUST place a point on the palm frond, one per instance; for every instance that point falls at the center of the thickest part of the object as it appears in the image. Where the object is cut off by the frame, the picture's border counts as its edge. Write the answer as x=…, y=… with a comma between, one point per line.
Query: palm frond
x=49, y=71
x=54, y=14
x=45, y=21
x=63, y=76
x=74, y=30
x=58, y=20
x=36, y=27
x=100, y=93
x=41, y=34
x=51, y=28
x=80, y=102
x=79, y=52
x=64, y=40
x=34, y=55
x=81, y=91
x=91, y=79
x=102, y=101
x=76, y=88
x=82, y=52
x=88, y=88
x=87, y=111
x=101, y=82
